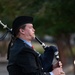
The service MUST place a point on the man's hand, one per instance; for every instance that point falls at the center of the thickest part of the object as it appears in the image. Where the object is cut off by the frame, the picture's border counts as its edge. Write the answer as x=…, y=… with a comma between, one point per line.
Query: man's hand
x=58, y=71
x=56, y=65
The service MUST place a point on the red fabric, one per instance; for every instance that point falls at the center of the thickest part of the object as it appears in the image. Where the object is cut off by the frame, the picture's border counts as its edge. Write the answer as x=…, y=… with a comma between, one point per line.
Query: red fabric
x=33, y=47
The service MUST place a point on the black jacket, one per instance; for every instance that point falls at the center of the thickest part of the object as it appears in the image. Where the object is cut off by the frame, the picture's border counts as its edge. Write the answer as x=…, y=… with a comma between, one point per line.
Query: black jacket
x=23, y=60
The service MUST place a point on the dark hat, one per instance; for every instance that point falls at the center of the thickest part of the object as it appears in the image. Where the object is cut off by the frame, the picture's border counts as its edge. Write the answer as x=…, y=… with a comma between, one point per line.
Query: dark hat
x=19, y=21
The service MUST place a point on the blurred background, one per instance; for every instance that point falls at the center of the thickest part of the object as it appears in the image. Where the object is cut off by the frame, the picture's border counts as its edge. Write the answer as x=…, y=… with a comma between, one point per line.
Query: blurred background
x=54, y=22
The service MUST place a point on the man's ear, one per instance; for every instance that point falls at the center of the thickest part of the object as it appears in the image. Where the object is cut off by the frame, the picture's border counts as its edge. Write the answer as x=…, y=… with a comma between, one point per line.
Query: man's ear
x=21, y=31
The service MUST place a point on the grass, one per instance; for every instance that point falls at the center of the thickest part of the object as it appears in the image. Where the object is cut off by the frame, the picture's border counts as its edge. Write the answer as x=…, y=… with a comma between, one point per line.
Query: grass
x=39, y=47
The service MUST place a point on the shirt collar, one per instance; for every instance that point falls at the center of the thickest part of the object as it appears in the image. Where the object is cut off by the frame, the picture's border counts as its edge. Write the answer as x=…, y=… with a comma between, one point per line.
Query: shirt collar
x=28, y=43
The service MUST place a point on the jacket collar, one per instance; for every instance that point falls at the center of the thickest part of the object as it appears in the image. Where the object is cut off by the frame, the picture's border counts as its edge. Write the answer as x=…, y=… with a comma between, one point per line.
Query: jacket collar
x=27, y=47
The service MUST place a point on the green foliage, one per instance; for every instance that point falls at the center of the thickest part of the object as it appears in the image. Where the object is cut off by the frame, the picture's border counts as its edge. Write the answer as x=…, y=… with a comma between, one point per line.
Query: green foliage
x=58, y=17
x=52, y=17
x=9, y=9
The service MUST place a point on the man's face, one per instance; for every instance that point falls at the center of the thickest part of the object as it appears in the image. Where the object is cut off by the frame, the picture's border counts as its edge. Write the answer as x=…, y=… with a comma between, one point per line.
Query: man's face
x=29, y=31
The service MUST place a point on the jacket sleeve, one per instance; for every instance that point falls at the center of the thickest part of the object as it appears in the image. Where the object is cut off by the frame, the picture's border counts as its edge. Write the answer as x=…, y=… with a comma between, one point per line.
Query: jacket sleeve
x=47, y=59
x=28, y=63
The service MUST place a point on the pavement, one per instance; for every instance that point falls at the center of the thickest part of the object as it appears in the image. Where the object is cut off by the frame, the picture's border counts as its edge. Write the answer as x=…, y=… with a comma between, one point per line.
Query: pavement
x=68, y=69
x=3, y=69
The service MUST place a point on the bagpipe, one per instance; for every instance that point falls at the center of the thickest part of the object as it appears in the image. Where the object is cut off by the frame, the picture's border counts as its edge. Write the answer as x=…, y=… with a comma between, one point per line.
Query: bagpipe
x=56, y=52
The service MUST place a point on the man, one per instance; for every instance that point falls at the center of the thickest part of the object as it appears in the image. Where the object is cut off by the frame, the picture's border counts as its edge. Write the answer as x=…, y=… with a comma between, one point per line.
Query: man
x=23, y=59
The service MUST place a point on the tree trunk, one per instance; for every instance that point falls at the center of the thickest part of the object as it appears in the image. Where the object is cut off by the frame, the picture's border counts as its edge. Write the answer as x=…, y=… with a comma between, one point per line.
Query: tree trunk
x=61, y=48
x=70, y=49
